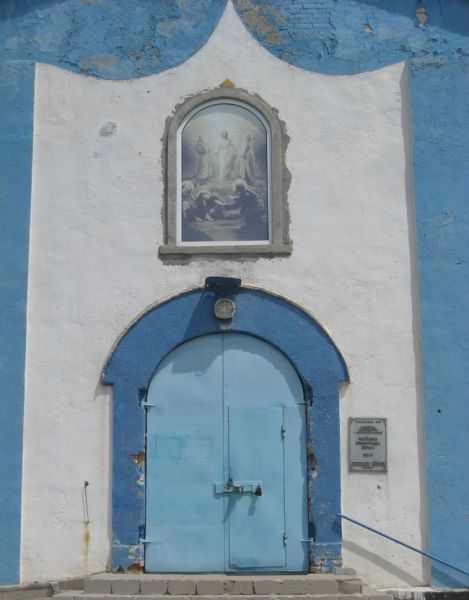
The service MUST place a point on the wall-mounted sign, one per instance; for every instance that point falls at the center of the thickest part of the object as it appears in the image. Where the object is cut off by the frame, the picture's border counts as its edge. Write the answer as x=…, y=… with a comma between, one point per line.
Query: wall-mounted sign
x=367, y=445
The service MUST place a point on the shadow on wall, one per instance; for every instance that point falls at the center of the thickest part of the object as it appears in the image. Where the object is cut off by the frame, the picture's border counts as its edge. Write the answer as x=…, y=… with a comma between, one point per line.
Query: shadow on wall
x=406, y=125
x=104, y=395
x=382, y=563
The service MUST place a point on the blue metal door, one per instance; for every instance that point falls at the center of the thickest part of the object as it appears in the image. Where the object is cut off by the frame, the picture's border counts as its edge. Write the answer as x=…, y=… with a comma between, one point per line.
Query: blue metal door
x=256, y=516
x=226, y=469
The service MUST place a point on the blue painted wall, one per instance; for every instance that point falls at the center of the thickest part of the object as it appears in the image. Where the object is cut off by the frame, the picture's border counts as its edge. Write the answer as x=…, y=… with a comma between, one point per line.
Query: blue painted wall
x=111, y=39
x=117, y=39
x=441, y=157
x=120, y=39
x=352, y=36
x=16, y=130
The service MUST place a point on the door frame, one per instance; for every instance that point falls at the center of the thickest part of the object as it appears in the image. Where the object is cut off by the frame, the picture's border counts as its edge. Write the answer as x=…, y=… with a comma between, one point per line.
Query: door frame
x=276, y=320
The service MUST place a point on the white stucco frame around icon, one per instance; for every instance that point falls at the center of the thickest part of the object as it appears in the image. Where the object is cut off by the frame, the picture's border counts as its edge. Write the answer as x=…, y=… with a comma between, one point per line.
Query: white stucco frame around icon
x=278, y=178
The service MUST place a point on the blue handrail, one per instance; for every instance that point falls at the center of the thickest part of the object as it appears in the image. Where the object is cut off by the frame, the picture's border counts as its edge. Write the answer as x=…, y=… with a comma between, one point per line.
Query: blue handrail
x=393, y=539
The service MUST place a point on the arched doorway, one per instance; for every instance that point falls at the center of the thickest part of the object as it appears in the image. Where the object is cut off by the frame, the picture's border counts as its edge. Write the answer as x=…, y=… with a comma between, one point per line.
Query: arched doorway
x=226, y=481
x=166, y=326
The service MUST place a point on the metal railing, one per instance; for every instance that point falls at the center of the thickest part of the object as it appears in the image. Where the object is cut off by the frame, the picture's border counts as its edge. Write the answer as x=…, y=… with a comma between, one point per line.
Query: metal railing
x=408, y=546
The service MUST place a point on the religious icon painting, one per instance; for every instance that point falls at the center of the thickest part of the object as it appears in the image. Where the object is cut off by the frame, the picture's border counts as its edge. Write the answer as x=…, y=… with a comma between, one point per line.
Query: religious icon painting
x=226, y=178
x=224, y=191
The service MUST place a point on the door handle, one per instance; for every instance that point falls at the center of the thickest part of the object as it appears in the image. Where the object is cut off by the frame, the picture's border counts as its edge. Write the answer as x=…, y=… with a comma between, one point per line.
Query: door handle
x=238, y=487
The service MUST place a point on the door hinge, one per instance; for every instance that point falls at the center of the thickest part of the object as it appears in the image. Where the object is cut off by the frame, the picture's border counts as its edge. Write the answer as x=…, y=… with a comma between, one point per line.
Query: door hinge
x=283, y=431
x=285, y=539
x=147, y=405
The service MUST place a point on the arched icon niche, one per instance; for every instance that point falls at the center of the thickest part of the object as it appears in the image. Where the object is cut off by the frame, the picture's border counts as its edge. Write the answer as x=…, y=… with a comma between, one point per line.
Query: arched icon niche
x=226, y=179
x=224, y=183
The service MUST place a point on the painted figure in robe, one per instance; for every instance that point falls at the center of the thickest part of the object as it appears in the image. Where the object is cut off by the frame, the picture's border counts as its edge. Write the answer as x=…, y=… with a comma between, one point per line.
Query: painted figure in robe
x=226, y=156
x=203, y=160
x=247, y=165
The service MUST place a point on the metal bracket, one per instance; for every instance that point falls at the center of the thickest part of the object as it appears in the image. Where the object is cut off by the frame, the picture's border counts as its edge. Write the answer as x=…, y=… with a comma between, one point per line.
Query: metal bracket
x=223, y=286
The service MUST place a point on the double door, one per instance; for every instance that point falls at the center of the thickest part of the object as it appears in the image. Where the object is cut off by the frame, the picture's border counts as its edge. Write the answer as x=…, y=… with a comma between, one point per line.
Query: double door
x=226, y=472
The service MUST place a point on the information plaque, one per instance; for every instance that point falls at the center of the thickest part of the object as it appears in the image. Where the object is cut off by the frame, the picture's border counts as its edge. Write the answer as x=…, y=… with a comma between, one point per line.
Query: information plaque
x=367, y=445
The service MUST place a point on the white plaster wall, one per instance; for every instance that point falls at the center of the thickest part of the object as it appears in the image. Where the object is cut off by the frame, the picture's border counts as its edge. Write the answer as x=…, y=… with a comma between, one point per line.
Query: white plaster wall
x=95, y=230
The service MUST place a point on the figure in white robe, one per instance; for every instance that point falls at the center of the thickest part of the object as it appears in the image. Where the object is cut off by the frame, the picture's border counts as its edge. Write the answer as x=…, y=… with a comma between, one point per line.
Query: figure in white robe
x=203, y=161
x=247, y=163
x=226, y=156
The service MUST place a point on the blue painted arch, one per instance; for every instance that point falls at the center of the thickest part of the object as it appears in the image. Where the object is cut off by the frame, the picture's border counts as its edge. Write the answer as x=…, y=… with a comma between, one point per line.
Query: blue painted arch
x=162, y=328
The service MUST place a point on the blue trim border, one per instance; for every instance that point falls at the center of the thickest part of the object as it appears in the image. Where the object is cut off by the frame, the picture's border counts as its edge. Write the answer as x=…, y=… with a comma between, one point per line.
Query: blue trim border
x=441, y=166
x=189, y=315
x=16, y=139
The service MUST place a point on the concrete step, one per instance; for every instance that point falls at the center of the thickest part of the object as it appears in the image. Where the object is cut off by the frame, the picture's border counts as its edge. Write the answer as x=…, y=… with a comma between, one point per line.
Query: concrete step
x=33, y=591
x=110, y=586
x=78, y=595
x=222, y=585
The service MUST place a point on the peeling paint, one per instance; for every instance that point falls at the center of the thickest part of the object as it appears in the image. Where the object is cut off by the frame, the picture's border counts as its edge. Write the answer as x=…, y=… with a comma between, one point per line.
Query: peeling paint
x=263, y=24
x=317, y=34
x=136, y=556
x=136, y=567
x=139, y=460
x=98, y=38
x=313, y=34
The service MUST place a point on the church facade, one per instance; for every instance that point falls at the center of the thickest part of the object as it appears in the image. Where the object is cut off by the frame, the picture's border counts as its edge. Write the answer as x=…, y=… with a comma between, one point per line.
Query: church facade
x=234, y=289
